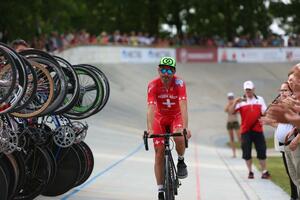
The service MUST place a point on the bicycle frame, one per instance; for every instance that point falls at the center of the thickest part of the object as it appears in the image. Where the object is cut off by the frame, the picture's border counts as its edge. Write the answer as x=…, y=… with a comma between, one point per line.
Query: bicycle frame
x=171, y=180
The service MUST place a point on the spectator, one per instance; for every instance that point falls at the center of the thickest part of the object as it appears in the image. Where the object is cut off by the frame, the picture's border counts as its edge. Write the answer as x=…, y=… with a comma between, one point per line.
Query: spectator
x=104, y=38
x=251, y=108
x=19, y=45
x=133, y=39
x=281, y=132
x=257, y=41
x=287, y=111
x=232, y=125
x=117, y=38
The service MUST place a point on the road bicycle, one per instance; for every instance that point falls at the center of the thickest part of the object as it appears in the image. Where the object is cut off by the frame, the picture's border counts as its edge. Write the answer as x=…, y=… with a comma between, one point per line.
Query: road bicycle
x=171, y=181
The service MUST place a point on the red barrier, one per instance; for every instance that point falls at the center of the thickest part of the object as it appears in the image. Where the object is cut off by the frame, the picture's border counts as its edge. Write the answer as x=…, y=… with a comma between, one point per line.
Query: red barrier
x=194, y=55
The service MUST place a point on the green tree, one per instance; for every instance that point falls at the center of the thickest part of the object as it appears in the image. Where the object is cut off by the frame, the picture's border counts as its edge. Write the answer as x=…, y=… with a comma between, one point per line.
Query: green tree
x=287, y=15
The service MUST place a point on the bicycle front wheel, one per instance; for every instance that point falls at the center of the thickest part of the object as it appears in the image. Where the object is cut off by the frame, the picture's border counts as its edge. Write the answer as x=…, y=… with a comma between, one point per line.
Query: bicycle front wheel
x=169, y=192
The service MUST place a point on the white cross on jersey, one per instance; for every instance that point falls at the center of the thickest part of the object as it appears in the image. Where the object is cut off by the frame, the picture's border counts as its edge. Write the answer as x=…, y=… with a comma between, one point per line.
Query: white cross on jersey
x=168, y=103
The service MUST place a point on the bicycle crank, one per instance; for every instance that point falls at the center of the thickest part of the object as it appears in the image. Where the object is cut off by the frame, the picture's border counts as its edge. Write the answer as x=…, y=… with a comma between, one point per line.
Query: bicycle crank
x=64, y=136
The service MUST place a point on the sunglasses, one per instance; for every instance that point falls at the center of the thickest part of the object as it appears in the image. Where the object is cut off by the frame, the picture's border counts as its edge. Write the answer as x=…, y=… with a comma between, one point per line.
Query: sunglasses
x=168, y=71
x=284, y=90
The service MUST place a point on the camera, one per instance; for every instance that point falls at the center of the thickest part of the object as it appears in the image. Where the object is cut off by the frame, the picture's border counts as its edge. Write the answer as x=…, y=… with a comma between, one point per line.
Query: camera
x=243, y=99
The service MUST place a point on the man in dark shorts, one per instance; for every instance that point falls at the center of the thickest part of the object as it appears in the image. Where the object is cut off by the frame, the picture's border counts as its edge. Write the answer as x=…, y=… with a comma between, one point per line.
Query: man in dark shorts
x=251, y=108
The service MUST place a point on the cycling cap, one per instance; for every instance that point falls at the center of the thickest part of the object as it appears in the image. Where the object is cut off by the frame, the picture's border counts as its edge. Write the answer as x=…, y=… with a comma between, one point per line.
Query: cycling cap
x=248, y=85
x=230, y=94
x=167, y=61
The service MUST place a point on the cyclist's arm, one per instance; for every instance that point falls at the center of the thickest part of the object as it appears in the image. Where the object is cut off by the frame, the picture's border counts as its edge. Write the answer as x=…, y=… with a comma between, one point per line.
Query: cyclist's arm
x=184, y=113
x=150, y=117
x=151, y=99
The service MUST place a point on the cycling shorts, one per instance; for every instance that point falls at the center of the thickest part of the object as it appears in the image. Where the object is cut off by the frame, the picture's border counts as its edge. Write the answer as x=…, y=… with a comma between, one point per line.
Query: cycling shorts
x=159, y=126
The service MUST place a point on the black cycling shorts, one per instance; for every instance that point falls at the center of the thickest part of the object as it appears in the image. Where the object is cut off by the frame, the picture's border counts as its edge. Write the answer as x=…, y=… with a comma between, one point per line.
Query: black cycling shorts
x=259, y=141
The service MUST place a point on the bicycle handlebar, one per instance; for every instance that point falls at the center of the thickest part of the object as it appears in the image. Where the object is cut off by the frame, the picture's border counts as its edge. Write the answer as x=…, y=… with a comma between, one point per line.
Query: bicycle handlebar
x=166, y=135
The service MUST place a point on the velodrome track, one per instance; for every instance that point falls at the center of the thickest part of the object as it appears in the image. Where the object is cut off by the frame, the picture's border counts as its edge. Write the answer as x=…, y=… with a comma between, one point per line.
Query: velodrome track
x=124, y=170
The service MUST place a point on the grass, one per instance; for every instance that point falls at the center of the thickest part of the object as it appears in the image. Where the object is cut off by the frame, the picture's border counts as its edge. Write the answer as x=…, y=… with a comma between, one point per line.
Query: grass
x=278, y=174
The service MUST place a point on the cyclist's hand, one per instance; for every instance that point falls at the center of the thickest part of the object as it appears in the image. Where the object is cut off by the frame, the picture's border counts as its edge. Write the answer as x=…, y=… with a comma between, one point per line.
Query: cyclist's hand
x=150, y=132
x=189, y=134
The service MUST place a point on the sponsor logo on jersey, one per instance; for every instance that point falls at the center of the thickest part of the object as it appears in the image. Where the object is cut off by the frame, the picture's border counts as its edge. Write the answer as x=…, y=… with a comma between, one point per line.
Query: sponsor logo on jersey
x=179, y=82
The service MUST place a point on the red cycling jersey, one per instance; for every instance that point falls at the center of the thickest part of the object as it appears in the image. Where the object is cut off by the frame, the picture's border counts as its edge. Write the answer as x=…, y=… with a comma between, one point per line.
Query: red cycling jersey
x=166, y=100
x=167, y=109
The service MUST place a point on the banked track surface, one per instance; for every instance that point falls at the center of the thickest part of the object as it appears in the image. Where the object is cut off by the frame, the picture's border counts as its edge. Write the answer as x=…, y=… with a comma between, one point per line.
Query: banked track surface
x=124, y=170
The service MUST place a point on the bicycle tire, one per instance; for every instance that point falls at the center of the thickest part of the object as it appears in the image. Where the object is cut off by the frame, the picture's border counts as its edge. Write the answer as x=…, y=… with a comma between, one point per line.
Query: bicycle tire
x=73, y=89
x=21, y=84
x=14, y=166
x=3, y=184
x=90, y=163
x=22, y=172
x=53, y=164
x=35, y=53
x=38, y=174
x=167, y=180
x=68, y=170
x=169, y=191
x=173, y=187
x=10, y=174
x=8, y=70
x=31, y=87
x=42, y=74
x=83, y=160
x=105, y=84
x=60, y=85
x=80, y=111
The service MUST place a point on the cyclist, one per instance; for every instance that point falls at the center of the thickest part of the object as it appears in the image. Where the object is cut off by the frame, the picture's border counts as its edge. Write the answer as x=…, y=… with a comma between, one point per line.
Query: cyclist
x=167, y=106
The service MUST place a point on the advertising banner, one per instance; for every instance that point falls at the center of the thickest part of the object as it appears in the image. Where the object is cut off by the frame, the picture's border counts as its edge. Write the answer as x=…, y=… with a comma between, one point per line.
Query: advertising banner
x=144, y=55
x=292, y=54
x=258, y=55
x=194, y=55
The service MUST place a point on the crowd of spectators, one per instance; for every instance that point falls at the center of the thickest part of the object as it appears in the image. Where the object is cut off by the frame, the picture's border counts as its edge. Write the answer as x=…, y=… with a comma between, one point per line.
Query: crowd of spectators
x=59, y=41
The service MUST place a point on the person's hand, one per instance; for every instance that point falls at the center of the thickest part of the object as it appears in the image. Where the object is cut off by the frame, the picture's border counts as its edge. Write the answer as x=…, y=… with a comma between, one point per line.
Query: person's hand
x=289, y=102
x=238, y=99
x=293, y=118
x=266, y=120
x=294, y=144
x=276, y=112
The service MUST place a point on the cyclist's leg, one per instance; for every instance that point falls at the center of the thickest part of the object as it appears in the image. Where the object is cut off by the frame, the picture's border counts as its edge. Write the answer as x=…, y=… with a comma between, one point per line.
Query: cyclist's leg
x=180, y=148
x=177, y=127
x=159, y=151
